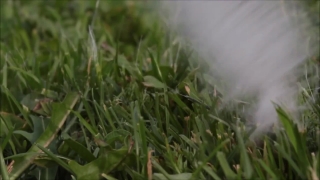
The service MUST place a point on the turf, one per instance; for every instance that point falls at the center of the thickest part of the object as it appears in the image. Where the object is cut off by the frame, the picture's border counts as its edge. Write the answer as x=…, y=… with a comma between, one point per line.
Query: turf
x=106, y=91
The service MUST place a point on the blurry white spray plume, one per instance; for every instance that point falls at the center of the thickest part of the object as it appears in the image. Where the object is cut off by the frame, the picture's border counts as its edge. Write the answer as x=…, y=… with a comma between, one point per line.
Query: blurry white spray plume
x=251, y=45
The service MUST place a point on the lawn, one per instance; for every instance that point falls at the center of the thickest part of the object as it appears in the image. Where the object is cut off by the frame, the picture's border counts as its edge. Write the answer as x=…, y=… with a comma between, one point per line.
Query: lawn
x=105, y=91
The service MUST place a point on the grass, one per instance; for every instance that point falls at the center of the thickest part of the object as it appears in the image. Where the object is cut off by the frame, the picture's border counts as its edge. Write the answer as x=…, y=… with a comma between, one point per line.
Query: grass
x=106, y=92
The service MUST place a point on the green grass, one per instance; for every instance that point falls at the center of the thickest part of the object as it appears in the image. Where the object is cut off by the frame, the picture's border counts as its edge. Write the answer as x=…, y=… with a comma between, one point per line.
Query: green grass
x=129, y=101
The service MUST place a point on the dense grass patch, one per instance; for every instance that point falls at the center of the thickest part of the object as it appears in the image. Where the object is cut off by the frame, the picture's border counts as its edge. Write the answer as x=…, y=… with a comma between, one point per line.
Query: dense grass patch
x=107, y=92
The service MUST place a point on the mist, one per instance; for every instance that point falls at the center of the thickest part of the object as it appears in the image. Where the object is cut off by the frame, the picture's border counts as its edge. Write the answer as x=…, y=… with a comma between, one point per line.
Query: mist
x=253, y=47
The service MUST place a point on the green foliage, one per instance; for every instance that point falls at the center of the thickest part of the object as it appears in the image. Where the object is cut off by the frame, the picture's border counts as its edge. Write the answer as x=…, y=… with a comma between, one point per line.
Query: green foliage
x=129, y=103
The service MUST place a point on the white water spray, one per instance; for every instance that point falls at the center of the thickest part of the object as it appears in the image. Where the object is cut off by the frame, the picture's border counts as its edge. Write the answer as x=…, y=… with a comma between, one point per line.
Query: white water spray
x=252, y=46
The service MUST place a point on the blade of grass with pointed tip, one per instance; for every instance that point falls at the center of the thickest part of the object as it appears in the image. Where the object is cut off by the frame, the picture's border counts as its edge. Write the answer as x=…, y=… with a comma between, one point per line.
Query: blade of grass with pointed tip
x=5, y=73
x=26, y=73
x=159, y=168
x=150, y=81
x=104, y=164
x=184, y=176
x=3, y=168
x=211, y=172
x=296, y=138
x=7, y=137
x=155, y=65
x=290, y=160
x=248, y=171
x=55, y=158
x=108, y=177
x=176, y=99
x=188, y=141
x=267, y=169
x=18, y=105
x=79, y=148
x=225, y=166
x=288, y=127
x=91, y=129
x=211, y=155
